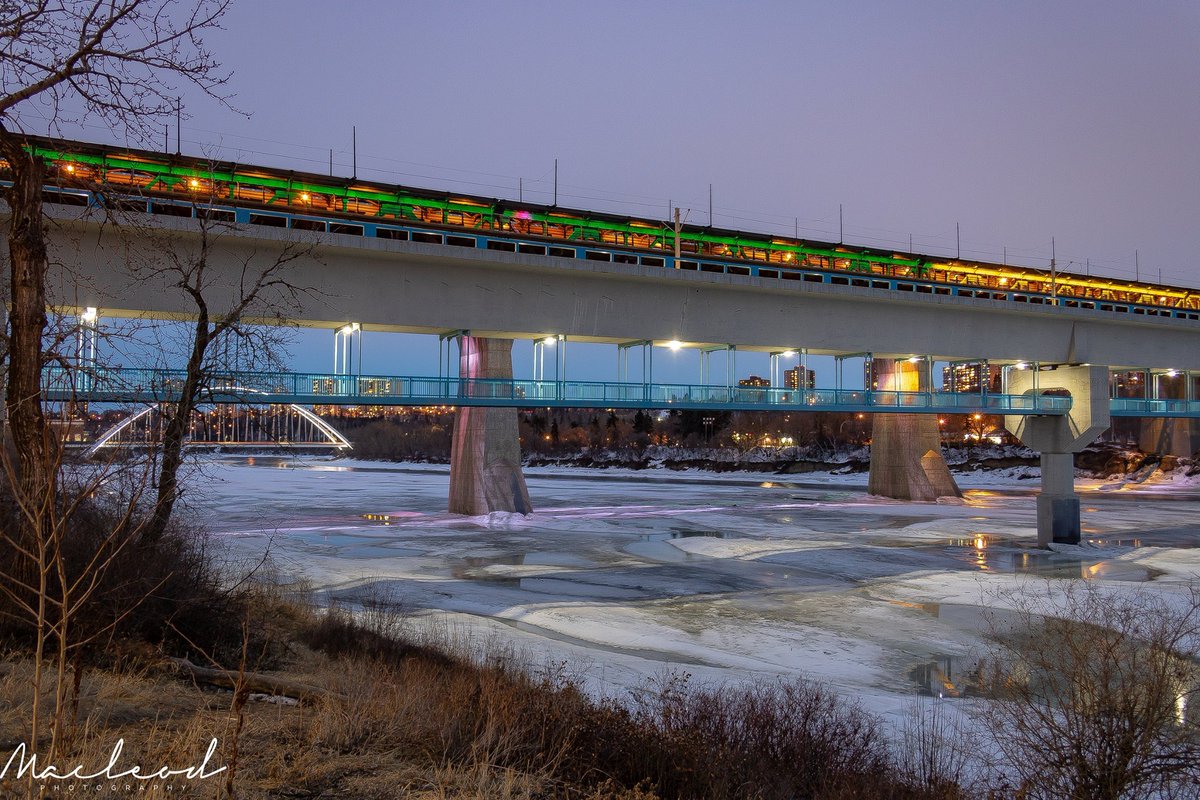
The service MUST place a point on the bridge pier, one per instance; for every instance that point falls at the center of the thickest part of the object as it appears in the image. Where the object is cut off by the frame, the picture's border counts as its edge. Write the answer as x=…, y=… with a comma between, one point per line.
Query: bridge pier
x=1058, y=439
x=485, y=453
x=906, y=449
x=1168, y=437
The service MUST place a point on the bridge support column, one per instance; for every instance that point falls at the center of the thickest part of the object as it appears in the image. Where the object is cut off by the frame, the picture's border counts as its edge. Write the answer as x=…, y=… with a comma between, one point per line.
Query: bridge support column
x=1058, y=439
x=906, y=449
x=485, y=453
x=1168, y=436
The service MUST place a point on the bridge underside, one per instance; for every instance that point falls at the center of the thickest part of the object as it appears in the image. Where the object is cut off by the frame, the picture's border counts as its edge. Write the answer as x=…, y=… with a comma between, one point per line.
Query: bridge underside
x=413, y=287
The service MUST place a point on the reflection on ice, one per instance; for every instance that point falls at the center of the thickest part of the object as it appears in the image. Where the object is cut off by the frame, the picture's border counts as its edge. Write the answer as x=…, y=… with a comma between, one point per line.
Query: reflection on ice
x=731, y=576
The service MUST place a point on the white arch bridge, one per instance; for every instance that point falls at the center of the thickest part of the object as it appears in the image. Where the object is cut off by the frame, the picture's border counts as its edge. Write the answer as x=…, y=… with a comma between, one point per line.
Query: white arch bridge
x=227, y=425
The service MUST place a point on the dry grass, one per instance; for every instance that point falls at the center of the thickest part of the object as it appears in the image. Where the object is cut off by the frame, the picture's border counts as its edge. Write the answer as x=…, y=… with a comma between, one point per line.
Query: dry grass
x=408, y=719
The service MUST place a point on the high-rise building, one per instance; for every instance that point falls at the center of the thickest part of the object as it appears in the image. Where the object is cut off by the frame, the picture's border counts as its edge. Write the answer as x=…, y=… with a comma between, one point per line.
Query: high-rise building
x=965, y=377
x=755, y=382
x=791, y=378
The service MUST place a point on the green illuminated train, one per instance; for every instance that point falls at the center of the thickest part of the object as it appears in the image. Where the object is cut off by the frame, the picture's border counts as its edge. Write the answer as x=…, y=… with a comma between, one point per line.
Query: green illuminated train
x=90, y=175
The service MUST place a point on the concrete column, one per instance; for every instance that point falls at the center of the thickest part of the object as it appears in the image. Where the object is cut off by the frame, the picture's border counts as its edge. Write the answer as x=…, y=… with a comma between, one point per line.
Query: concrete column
x=1058, y=438
x=906, y=449
x=1168, y=436
x=485, y=454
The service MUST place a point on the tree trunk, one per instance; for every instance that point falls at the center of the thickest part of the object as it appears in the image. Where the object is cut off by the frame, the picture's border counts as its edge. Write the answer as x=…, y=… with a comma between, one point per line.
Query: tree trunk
x=176, y=433
x=28, y=263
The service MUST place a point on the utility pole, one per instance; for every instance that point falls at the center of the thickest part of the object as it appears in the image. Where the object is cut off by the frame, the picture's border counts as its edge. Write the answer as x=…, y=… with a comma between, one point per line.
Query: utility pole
x=957, y=242
x=1053, y=275
x=1137, y=267
x=678, y=228
x=841, y=230
x=520, y=190
x=353, y=152
x=178, y=125
x=556, y=181
x=710, y=221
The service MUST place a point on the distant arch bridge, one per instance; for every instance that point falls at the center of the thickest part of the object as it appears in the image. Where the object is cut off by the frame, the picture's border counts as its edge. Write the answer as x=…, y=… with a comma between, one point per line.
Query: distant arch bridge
x=244, y=425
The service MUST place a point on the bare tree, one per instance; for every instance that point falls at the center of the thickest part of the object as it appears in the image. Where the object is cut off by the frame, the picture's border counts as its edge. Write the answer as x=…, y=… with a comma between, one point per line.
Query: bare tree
x=262, y=298
x=120, y=61
x=1096, y=694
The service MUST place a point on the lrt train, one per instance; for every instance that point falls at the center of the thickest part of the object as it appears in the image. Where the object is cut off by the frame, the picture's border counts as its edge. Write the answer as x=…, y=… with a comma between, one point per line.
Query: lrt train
x=83, y=174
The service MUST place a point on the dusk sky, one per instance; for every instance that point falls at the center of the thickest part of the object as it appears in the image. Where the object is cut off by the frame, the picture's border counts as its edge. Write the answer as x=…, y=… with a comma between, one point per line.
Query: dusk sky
x=1018, y=120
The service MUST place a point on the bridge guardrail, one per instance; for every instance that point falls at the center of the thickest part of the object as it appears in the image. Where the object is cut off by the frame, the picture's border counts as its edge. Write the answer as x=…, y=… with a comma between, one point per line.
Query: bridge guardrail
x=147, y=385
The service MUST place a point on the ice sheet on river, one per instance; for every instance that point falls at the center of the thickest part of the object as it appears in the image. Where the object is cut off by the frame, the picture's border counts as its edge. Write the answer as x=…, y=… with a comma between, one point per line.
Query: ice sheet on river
x=626, y=573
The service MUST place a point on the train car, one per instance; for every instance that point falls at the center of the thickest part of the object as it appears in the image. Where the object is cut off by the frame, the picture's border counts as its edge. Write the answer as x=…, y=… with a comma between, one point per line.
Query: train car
x=85, y=174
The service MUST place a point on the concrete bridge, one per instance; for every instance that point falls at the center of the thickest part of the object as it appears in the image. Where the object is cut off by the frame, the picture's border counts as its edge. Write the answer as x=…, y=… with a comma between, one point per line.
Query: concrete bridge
x=488, y=298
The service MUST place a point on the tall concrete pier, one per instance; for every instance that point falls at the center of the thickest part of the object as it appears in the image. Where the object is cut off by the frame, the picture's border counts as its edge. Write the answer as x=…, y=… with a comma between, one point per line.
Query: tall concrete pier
x=1058, y=439
x=906, y=449
x=485, y=454
x=1169, y=437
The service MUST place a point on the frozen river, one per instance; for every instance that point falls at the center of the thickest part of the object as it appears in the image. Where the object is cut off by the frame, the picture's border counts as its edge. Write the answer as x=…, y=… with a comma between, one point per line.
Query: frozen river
x=625, y=575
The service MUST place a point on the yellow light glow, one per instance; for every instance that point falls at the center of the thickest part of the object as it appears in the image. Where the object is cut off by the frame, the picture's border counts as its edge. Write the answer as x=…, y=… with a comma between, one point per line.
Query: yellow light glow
x=788, y=353
x=674, y=344
x=549, y=341
x=304, y=197
x=193, y=183
x=89, y=315
x=70, y=167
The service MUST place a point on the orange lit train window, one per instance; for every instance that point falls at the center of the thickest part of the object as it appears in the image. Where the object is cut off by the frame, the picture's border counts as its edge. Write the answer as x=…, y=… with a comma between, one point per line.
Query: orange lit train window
x=427, y=214
x=644, y=240
x=199, y=186
x=357, y=205
x=464, y=218
x=130, y=177
x=254, y=194
x=560, y=231
x=612, y=237
x=70, y=171
x=314, y=200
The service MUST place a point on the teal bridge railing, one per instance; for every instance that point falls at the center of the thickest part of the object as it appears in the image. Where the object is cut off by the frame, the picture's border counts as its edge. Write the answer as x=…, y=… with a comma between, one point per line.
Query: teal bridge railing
x=135, y=385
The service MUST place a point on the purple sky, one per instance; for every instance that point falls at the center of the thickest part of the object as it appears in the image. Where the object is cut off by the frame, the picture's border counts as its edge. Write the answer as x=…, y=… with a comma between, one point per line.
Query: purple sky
x=1019, y=120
